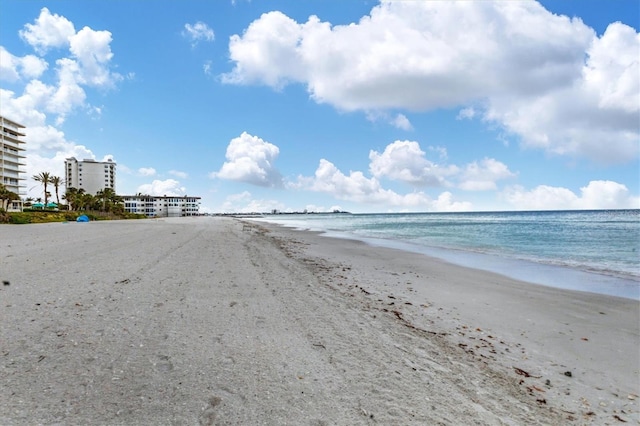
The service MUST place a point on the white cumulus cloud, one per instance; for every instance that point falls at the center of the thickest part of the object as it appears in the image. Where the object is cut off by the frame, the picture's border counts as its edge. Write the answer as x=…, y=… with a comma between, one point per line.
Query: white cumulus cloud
x=163, y=187
x=483, y=175
x=245, y=203
x=48, y=30
x=51, y=93
x=251, y=160
x=596, y=195
x=356, y=187
x=405, y=161
x=13, y=68
x=547, y=79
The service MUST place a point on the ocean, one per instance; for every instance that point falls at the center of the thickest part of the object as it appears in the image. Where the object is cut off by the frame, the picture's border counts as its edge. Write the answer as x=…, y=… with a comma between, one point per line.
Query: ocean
x=594, y=251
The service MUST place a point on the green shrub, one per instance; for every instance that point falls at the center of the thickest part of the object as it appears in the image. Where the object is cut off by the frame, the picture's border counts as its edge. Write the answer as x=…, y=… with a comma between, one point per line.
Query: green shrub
x=19, y=218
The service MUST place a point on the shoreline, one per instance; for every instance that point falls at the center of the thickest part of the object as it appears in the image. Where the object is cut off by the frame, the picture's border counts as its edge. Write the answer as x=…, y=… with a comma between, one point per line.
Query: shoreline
x=226, y=321
x=551, y=328
x=537, y=273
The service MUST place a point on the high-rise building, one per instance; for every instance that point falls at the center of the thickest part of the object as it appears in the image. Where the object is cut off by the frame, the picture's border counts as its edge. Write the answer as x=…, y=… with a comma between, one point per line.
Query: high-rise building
x=90, y=175
x=12, y=158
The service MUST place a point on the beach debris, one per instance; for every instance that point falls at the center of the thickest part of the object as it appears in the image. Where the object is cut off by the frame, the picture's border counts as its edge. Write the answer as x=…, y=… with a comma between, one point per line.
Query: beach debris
x=521, y=372
x=398, y=315
x=4, y=282
x=618, y=418
x=568, y=373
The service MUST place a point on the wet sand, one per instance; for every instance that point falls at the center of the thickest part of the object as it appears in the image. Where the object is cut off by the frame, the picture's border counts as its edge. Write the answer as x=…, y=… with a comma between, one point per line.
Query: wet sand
x=218, y=321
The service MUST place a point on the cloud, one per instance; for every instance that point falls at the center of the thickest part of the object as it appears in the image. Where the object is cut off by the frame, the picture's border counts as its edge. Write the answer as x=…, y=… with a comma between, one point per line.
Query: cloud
x=146, y=171
x=547, y=79
x=198, y=32
x=251, y=160
x=179, y=174
x=13, y=68
x=48, y=31
x=356, y=187
x=406, y=162
x=483, y=175
x=598, y=194
x=267, y=52
x=206, y=67
x=87, y=64
x=56, y=92
x=399, y=121
x=402, y=122
x=163, y=187
x=595, y=116
x=245, y=203
x=93, y=53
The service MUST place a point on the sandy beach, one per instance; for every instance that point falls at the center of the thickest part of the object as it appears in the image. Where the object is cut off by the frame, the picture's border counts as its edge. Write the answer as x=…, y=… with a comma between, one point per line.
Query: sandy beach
x=222, y=321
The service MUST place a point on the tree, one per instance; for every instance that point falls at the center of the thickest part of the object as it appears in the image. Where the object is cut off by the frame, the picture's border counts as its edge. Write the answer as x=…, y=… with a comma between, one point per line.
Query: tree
x=6, y=197
x=56, y=181
x=109, y=199
x=73, y=197
x=88, y=202
x=45, y=179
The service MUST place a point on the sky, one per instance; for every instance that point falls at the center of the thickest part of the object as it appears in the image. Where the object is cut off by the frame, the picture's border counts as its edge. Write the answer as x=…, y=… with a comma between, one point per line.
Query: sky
x=318, y=105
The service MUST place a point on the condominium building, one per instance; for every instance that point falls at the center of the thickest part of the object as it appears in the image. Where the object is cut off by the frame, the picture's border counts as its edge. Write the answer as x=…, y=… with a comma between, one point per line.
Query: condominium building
x=162, y=206
x=90, y=175
x=12, y=158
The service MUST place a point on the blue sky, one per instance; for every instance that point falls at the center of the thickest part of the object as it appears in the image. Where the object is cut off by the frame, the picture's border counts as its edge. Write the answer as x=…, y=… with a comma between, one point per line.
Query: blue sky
x=362, y=106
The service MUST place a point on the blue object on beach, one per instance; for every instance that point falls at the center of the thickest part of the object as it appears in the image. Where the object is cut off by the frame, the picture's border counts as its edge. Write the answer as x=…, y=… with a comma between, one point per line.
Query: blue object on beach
x=82, y=218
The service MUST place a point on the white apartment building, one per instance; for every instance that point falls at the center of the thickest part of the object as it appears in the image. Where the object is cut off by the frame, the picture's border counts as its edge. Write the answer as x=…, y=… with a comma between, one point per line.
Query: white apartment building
x=12, y=158
x=162, y=206
x=90, y=175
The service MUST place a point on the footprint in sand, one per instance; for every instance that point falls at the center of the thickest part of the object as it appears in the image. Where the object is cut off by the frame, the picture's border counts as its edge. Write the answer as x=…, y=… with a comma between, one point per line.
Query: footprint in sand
x=164, y=364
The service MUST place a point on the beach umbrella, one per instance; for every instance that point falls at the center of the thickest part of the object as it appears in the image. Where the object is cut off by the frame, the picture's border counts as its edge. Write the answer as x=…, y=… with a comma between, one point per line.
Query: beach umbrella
x=82, y=218
x=37, y=205
x=52, y=205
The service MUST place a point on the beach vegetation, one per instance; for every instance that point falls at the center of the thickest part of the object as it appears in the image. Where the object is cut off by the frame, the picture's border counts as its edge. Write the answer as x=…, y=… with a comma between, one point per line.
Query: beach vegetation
x=71, y=196
x=6, y=196
x=105, y=205
x=46, y=216
x=108, y=200
x=56, y=181
x=45, y=179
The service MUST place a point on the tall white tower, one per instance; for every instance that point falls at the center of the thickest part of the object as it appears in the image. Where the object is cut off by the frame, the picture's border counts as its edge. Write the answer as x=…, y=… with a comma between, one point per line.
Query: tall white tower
x=90, y=175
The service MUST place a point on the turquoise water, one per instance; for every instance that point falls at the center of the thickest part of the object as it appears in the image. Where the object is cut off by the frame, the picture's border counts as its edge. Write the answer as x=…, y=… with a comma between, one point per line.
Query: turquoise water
x=596, y=251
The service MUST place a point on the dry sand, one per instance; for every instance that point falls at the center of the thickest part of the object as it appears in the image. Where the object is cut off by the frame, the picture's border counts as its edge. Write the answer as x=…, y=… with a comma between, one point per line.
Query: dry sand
x=215, y=321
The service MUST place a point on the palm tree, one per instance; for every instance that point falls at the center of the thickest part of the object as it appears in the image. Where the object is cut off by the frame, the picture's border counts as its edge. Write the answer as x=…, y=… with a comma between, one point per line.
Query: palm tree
x=87, y=201
x=56, y=181
x=109, y=199
x=45, y=179
x=70, y=197
x=6, y=197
